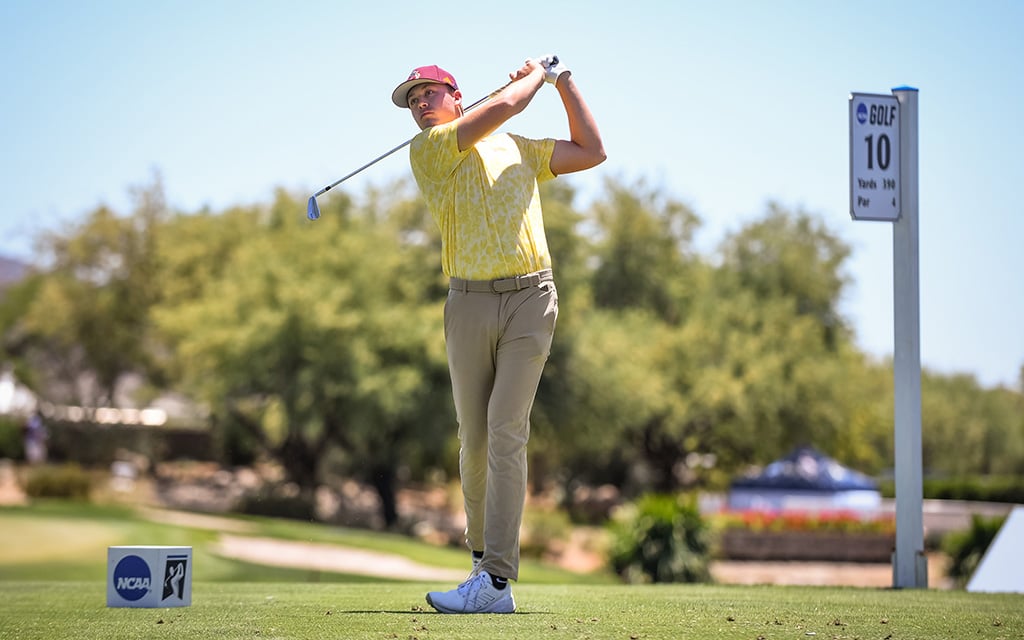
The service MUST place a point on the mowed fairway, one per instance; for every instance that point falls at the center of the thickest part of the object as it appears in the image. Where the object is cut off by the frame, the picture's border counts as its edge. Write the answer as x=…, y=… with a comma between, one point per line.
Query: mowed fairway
x=52, y=572
x=375, y=610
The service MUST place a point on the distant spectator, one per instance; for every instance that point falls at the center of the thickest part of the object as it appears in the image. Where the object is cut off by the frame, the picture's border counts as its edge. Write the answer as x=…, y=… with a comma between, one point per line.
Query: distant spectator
x=35, y=439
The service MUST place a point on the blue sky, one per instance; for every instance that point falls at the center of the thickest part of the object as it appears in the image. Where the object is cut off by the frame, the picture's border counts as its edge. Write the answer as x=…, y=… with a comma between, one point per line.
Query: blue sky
x=725, y=106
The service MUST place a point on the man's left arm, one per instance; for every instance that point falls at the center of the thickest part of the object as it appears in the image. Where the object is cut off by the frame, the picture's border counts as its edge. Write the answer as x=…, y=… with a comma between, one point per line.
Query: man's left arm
x=584, y=149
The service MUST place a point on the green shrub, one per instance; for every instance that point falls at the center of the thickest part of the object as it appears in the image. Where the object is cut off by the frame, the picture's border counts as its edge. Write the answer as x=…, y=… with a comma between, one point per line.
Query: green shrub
x=966, y=548
x=68, y=481
x=983, y=489
x=543, y=529
x=1009, y=489
x=661, y=539
x=11, y=438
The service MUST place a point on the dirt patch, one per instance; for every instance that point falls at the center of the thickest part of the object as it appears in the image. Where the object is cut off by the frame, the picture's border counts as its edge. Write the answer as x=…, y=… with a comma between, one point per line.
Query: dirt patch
x=803, y=573
x=833, y=574
x=11, y=493
x=329, y=557
x=300, y=555
x=196, y=520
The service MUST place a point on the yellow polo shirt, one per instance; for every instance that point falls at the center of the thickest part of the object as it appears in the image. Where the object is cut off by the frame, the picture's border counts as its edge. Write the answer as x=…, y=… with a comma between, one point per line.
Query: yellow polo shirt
x=485, y=201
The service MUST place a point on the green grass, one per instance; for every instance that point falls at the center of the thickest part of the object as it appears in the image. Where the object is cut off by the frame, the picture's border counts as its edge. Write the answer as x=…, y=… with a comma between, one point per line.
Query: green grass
x=72, y=611
x=52, y=585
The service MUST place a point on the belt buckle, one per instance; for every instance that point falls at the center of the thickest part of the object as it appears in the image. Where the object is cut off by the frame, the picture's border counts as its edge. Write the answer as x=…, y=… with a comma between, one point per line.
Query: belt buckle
x=515, y=283
x=507, y=285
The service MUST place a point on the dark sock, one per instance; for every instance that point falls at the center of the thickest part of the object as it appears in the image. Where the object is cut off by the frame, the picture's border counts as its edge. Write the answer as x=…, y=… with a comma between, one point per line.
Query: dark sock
x=499, y=582
x=478, y=555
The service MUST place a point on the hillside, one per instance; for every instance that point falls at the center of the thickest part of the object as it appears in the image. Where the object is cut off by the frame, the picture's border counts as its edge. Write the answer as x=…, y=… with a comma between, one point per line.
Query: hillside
x=11, y=271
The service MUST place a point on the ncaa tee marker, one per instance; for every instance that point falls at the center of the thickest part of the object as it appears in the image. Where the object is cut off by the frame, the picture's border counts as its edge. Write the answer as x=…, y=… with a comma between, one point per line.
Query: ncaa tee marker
x=149, y=576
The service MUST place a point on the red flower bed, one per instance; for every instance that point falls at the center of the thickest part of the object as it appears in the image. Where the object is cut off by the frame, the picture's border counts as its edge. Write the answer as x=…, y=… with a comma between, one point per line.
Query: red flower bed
x=834, y=521
x=833, y=536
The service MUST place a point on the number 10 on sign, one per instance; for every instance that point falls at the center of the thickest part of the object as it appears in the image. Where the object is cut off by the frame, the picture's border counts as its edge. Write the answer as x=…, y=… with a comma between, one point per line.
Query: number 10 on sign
x=874, y=157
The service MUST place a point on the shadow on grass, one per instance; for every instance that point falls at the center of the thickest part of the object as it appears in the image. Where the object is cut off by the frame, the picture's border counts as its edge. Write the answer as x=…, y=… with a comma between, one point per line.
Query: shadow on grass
x=420, y=612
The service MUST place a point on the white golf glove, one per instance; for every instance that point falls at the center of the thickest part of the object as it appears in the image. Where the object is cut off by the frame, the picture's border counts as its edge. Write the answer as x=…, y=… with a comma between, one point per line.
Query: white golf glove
x=553, y=68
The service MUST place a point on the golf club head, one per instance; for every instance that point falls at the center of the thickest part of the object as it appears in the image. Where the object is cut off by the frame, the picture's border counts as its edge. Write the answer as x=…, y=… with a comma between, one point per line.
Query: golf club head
x=312, y=209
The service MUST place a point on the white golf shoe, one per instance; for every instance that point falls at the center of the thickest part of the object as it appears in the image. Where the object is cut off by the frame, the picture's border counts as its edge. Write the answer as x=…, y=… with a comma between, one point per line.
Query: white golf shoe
x=475, y=595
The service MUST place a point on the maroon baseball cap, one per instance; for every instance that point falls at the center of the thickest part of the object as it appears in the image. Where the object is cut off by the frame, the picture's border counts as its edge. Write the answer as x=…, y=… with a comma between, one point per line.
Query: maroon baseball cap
x=421, y=75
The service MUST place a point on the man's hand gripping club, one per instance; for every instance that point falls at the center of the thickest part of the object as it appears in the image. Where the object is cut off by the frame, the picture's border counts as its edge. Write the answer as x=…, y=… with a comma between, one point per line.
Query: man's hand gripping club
x=553, y=68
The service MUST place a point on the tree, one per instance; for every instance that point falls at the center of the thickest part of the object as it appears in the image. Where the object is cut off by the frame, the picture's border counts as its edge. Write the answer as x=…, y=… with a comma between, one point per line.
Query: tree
x=321, y=344
x=615, y=391
x=645, y=252
x=87, y=325
x=741, y=361
x=316, y=339
x=794, y=256
x=555, y=412
x=967, y=429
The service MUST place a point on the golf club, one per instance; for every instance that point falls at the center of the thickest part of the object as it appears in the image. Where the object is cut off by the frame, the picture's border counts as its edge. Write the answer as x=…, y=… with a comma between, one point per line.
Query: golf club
x=313, y=209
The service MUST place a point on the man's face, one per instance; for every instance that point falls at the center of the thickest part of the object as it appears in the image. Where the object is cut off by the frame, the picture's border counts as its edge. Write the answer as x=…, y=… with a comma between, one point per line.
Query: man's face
x=434, y=103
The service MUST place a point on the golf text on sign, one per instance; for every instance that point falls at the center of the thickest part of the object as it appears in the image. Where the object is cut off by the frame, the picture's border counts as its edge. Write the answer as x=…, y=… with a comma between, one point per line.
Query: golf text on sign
x=874, y=157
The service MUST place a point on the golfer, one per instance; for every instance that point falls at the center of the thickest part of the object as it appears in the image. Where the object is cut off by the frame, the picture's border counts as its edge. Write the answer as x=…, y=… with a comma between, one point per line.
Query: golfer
x=482, y=189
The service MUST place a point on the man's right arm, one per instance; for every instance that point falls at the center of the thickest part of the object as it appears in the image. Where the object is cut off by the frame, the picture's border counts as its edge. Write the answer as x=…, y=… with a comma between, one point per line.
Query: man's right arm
x=513, y=99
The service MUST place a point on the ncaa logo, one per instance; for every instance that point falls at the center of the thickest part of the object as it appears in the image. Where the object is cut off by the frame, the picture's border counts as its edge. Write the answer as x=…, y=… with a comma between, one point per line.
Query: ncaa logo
x=132, y=578
x=862, y=113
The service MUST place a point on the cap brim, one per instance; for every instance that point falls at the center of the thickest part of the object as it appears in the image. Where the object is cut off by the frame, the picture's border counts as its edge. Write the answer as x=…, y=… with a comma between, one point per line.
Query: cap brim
x=400, y=96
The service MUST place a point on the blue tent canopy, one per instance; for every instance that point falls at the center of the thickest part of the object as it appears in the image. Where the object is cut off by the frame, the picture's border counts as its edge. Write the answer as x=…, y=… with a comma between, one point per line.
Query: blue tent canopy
x=806, y=469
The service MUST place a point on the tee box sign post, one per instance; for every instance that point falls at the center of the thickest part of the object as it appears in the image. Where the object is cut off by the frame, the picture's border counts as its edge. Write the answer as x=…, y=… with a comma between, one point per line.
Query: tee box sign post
x=874, y=157
x=883, y=186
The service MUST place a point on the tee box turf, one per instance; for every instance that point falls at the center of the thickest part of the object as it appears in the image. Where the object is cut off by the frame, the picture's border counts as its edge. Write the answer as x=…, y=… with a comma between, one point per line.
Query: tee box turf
x=149, y=576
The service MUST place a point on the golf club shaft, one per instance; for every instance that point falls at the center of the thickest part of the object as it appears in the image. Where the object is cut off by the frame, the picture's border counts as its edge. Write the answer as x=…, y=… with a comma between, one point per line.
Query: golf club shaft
x=365, y=166
x=403, y=145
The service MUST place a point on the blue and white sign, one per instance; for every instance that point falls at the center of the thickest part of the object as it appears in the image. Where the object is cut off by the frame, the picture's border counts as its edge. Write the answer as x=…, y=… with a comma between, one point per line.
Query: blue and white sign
x=132, y=578
x=874, y=157
x=149, y=576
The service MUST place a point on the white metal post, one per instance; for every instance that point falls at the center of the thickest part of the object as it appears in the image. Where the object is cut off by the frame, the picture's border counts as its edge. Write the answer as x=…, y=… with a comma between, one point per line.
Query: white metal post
x=910, y=567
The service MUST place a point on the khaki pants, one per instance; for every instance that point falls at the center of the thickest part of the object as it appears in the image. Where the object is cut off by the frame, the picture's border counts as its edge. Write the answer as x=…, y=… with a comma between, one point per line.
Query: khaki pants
x=497, y=345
